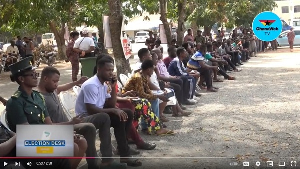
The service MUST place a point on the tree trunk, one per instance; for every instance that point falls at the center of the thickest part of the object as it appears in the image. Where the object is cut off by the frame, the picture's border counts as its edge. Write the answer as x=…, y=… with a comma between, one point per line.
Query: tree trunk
x=194, y=28
x=60, y=41
x=181, y=16
x=115, y=24
x=164, y=20
x=207, y=30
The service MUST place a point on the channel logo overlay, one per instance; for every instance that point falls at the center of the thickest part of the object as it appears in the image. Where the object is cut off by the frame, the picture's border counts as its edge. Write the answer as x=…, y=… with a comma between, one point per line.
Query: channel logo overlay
x=45, y=141
x=267, y=26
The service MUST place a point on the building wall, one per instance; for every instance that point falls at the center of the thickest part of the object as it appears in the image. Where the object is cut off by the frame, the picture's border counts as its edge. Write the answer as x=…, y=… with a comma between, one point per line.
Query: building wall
x=285, y=8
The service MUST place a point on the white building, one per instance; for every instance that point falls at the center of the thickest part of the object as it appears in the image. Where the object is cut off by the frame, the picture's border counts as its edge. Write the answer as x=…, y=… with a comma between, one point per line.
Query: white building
x=288, y=10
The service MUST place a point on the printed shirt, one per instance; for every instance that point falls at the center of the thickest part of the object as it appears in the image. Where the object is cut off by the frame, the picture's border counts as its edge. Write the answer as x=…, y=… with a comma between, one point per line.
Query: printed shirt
x=194, y=61
x=140, y=84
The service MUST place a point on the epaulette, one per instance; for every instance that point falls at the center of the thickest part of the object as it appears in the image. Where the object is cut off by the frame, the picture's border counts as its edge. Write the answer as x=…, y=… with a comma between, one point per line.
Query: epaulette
x=16, y=94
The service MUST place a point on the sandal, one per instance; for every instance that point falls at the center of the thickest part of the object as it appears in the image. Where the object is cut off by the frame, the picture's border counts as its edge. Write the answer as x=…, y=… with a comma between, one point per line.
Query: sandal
x=163, y=119
x=211, y=90
x=237, y=70
x=218, y=80
x=168, y=132
x=185, y=113
x=231, y=78
x=131, y=162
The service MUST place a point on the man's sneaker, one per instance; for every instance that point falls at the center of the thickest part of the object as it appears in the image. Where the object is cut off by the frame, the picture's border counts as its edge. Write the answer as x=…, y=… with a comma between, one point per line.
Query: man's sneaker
x=192, y=100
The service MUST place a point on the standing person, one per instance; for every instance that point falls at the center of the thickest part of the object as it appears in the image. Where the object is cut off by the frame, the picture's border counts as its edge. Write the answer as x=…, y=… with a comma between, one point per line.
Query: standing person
x=20, y=45
x=199, y=38
x=84, y=45
x=189, y=37
x=29, y=47
x=73, y=56
x=291, y=37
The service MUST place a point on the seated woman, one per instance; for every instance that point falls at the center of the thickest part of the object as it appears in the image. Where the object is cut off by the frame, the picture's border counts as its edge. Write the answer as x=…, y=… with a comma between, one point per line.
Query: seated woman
x=139, y=84
x=141, y=108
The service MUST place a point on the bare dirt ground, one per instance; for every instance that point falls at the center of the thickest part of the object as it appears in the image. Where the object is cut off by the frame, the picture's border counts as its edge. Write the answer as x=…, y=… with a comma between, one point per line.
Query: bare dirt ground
x=254, y=118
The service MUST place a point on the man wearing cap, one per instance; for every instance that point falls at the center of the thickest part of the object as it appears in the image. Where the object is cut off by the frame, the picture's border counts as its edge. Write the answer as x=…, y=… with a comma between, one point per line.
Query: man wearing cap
x=27, y=106
x=84, y=45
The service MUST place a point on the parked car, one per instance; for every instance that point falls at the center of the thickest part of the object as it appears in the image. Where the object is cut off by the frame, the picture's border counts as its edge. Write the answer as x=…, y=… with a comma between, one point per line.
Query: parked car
x=283, y=40
x=141, y=36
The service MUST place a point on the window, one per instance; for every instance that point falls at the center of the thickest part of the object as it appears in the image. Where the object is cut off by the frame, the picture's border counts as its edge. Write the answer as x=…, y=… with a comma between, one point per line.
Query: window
x=297, y=8
x=285, y=9
x=297, y=32
x=296, y=23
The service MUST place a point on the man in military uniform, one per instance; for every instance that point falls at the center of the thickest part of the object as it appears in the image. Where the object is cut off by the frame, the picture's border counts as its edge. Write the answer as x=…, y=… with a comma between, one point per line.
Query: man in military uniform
x=27, y=106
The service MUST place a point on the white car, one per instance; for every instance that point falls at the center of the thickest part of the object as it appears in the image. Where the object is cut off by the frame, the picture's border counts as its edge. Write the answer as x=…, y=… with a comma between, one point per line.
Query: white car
x=141, y=36
x=283, y=40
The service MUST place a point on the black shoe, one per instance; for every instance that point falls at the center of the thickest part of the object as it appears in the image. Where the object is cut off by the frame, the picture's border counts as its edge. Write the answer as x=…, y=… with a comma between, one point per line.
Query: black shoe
x=168, y=110
x=188, y=103
x=146, y=146
x=131, y=152
x=241, y=63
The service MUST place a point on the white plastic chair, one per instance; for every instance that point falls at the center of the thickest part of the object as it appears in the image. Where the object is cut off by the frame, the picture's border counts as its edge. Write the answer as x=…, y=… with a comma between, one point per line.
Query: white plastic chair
x=68, y=102
x=124, y=79
x=3, y=119
x=172, y=100
x=129, y=75
x=76, y=90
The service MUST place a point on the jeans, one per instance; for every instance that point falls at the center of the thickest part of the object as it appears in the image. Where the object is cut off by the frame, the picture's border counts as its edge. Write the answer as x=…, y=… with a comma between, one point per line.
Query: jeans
x=155, y=109
x=192, y=87
x=88, y=131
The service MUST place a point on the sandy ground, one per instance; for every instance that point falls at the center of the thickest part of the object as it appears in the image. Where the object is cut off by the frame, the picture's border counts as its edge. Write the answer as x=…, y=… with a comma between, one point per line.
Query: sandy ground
x=254, y=118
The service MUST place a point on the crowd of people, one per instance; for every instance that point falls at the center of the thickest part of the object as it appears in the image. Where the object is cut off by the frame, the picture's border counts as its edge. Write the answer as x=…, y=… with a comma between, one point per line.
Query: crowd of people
x=141, y=102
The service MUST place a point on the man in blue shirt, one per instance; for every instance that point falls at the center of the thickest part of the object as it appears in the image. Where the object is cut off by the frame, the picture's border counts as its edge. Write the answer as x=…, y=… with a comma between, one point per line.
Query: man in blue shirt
x=176, y=68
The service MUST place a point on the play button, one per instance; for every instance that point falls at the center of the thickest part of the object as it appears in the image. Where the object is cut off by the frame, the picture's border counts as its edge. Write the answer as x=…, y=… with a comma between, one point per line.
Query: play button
x=5, y=164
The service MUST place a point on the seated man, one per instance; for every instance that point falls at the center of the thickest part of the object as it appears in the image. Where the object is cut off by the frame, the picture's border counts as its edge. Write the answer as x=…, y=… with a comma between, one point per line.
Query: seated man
x=221, y=52
x=175, y=82
x=234, y=54
x=216, y=62
x=172, y=55
x=177, y=110
x=177, y=68
x=50, y=89
x=197, y=62
x=98, y=96
x=12, y=53
x=27, y=106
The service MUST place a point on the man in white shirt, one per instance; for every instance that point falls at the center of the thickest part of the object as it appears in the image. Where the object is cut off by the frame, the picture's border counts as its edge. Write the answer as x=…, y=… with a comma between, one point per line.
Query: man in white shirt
x=98, y=95
x=84, y=45
x=12, y=49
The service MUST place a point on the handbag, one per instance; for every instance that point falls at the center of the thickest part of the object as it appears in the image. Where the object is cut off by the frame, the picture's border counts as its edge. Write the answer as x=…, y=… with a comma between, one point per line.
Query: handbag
x=4, y=134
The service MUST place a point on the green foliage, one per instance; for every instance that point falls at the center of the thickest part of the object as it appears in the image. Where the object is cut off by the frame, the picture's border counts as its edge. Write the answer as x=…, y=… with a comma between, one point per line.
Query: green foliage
x=246, y=10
